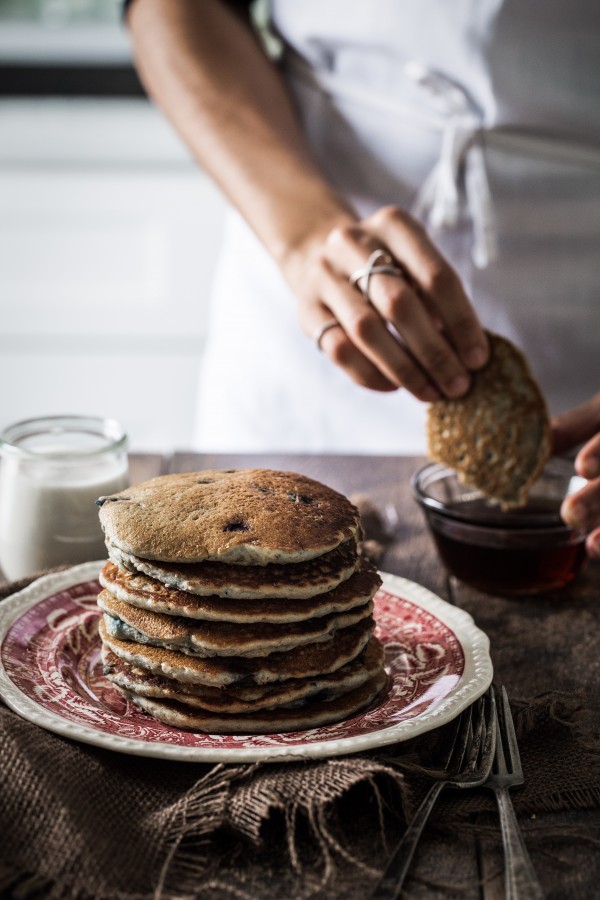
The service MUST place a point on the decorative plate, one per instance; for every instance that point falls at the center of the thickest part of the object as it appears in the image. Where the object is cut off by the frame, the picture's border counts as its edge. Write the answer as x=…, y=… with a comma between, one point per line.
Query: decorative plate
x=50, y=673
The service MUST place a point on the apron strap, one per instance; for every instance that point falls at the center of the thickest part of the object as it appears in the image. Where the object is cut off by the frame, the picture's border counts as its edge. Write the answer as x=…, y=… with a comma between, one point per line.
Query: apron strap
x=438, y=201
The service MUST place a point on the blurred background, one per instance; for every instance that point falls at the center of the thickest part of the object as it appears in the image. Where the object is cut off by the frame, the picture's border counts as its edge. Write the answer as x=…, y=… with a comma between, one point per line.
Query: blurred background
x=108, y=231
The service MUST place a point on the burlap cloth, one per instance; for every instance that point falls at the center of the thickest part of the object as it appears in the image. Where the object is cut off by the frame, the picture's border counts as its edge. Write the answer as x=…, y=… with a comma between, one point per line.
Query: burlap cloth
x=80, y=822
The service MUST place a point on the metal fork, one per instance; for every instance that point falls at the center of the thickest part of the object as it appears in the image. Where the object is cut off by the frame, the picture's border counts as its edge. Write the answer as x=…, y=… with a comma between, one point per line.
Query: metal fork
x=520, y=880
x=468, y=765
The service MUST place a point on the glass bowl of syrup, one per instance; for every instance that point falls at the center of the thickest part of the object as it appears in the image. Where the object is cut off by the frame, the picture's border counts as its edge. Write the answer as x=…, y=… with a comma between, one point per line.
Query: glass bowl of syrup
x=511, y=552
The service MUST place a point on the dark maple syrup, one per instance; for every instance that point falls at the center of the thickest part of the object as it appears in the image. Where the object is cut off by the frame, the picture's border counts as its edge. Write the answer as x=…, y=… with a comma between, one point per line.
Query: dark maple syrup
x=528, y=550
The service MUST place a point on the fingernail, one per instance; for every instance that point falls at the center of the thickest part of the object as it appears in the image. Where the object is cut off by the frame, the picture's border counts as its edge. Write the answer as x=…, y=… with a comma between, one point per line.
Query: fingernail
x=592, y=545
x=475, y=358
x=591, y=469
x=458, y=387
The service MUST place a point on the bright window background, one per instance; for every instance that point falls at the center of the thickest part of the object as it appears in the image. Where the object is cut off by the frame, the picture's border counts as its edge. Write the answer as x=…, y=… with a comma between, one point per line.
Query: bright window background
x=109, y=235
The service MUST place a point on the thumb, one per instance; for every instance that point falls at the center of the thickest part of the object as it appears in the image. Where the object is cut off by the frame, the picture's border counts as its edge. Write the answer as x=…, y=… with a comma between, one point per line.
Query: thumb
x=575, y=426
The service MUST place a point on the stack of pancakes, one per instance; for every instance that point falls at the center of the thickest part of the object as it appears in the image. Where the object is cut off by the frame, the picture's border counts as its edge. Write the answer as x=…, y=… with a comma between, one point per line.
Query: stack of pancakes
x=236, y=602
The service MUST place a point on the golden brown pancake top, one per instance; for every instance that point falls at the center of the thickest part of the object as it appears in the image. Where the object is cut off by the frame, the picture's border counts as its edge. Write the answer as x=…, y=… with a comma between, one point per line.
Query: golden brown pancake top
x=243, y=516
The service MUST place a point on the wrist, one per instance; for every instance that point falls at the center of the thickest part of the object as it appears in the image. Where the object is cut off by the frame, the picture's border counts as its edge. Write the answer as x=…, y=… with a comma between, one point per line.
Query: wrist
x=299, y=237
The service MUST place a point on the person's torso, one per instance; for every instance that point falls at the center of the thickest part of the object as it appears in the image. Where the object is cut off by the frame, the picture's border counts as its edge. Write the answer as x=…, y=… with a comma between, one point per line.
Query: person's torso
x=533, y=64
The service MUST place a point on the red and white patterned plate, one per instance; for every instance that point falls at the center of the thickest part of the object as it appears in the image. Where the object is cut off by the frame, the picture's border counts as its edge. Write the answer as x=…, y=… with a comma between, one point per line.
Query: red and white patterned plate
x=50, y=673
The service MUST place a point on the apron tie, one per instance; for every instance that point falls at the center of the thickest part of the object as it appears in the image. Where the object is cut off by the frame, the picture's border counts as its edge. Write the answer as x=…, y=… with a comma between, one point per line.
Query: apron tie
x=439, y=201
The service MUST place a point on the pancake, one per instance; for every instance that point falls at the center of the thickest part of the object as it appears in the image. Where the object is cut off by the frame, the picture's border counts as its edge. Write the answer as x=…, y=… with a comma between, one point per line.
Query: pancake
x=213, y=579
x=497, y=437
x=245, y=516
x=288, y=693
x=219, y=638
x=147, y=593
x=307, y=661
x=311, y=715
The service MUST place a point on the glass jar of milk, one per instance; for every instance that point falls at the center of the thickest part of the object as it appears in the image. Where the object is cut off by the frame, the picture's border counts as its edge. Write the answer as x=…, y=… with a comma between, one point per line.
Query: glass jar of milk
x=51, y=472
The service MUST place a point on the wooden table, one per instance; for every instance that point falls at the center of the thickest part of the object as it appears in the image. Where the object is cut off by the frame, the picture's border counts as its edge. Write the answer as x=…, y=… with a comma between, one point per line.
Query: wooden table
x=537, y=644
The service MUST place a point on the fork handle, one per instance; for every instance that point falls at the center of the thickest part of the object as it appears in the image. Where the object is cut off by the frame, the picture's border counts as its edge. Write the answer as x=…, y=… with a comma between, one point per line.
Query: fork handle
x=520, y=880
x=392, y=880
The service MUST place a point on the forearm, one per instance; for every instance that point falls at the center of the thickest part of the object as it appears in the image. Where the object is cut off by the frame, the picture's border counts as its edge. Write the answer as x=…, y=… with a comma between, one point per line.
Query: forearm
x=206, y=70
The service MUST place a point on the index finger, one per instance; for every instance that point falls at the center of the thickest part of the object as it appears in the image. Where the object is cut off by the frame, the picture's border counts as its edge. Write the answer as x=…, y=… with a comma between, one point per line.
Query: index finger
x=438, y=281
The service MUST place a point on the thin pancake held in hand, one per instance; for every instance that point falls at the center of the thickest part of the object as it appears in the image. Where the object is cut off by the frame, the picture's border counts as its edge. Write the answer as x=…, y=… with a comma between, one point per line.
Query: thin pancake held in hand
x=247, y=517
x=496, y=437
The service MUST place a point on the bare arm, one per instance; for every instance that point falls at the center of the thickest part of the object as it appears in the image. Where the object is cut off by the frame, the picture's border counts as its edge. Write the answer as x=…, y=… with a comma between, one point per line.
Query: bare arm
x=206, y=70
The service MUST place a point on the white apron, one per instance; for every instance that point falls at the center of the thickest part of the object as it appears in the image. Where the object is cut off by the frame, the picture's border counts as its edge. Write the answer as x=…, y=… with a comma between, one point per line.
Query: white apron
x=481, y=116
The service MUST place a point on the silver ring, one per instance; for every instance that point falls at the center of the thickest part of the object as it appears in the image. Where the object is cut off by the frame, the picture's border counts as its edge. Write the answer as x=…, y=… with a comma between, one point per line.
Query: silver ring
x=318, y=335
x=379, y=263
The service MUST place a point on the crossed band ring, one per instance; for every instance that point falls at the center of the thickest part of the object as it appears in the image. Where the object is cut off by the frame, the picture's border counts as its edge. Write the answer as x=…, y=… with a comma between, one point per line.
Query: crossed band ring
x=379, y=263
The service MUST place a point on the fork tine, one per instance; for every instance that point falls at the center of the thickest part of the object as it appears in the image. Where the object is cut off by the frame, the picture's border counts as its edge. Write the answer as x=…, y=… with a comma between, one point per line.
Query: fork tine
x=476, y=734
x=514, y=757
x=491, y=731
x=484, y=737
x=460, y=741
x=499, y=766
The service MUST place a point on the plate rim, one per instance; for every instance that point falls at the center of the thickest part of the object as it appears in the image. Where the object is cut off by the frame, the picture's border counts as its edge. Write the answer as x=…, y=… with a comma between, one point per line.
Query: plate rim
x=474, y=681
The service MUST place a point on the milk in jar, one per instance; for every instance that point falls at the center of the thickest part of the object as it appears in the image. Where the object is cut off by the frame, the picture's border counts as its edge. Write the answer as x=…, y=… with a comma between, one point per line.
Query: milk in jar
x=52, y=471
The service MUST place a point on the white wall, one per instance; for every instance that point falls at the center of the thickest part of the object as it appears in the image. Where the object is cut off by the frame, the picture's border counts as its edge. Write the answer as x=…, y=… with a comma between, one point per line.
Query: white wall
x=108, y=240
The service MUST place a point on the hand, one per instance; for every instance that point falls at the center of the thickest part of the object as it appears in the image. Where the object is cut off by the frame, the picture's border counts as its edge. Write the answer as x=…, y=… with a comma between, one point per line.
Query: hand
x=418, y=331
x=582, y=509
